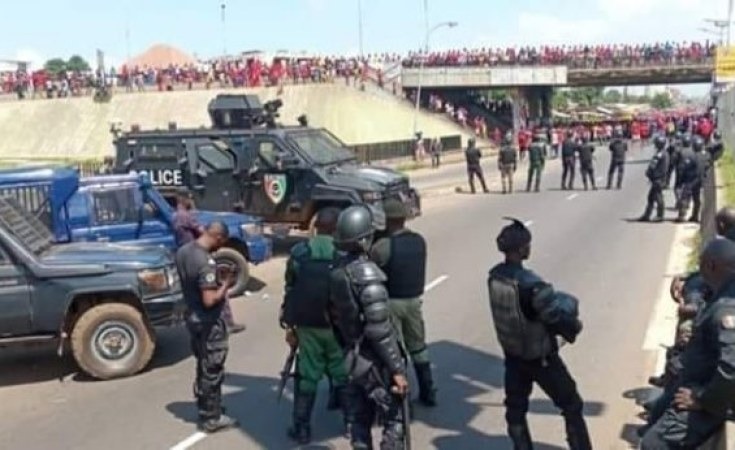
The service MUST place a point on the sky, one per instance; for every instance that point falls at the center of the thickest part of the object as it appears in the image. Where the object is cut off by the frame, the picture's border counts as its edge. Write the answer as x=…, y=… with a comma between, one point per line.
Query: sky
x=40, y=29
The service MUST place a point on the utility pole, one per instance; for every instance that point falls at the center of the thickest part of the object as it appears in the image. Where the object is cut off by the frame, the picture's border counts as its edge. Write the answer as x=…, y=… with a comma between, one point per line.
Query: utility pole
x=359, y=27
x=223, y=7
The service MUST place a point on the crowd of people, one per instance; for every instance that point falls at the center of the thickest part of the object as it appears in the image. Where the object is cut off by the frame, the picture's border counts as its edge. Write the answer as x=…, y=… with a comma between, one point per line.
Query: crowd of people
x=573, y=56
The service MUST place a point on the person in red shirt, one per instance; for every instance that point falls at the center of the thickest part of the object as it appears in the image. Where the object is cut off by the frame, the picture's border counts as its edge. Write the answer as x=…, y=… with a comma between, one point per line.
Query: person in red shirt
x=524, y=139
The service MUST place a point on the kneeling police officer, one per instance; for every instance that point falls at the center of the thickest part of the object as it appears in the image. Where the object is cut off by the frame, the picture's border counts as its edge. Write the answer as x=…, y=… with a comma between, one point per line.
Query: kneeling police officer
x=528, y=316
x=358, y=308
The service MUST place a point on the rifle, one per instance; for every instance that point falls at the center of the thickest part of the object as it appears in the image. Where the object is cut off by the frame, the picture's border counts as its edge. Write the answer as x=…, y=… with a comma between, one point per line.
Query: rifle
x=406, y=403
x=286, y=371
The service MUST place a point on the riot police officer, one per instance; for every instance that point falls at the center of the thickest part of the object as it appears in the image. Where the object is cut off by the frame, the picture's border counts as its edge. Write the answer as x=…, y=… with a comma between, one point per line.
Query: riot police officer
x=716, y=147
x=568, y=154
x=304, y=316
x=701, y=404
x=704, y=163
x=536, y=160
x=586, y=162
x=507, y=164
x=618, y=150
x=402, y=256
x=656, y=174
x=205, y=292
x=358, y=308
x=689, y=175
x=528, y=316
x=474, y=167
x=674, y=150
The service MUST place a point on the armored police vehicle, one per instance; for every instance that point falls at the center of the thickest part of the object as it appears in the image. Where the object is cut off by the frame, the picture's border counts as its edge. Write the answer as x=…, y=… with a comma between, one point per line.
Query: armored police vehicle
x=247, y=162
x=102, y=299
x=126, y=209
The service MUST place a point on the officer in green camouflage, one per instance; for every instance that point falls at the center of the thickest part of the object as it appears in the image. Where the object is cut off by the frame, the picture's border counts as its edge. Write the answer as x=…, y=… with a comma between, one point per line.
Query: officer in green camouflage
x=536, y=160
x=402, y=256
x=304, y=315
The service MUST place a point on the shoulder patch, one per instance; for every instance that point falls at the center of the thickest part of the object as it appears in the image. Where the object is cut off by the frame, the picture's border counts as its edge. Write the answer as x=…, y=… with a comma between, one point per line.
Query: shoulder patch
x=210, y=278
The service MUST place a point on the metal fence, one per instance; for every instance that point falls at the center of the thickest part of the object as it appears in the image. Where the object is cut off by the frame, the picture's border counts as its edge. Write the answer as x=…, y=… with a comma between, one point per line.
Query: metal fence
x=400, y=149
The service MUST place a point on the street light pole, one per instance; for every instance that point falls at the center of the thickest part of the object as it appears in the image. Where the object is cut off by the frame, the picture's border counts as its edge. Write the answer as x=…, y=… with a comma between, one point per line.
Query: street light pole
x=223, y=6
x=421, y=69
x=729, y=20
x=359, y=26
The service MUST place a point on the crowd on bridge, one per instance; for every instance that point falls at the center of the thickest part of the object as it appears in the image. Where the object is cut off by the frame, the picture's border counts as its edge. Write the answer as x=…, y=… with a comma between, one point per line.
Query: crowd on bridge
x=572, y=56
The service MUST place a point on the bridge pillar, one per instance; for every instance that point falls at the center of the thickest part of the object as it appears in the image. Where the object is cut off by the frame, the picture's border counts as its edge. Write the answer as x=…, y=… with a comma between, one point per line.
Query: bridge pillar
x=538, y=99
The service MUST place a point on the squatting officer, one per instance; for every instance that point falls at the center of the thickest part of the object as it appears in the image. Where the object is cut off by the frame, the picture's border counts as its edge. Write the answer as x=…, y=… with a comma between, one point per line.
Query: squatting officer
x=402, y=256
x=358, y=308
x=536, y=160
x=304, y=315
x=205, y=293
x=528, y=316
x=656, y=174
x=701, y=405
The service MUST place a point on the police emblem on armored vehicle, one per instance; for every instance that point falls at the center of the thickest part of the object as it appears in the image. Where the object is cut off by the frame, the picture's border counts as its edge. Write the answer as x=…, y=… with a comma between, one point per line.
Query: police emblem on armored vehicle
x=275, y=187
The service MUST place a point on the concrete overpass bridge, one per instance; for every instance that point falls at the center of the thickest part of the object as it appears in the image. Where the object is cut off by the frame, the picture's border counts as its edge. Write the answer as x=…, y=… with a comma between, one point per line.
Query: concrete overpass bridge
x=535, y=84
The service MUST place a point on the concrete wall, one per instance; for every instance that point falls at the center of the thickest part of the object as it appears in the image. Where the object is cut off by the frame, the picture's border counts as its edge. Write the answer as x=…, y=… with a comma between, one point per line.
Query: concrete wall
x=79, y=128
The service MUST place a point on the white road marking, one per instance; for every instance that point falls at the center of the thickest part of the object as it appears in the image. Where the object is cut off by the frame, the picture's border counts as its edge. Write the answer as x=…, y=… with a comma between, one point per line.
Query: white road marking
x=188, y=442
x=572, y=197
x=439, y=280
x=528, y=223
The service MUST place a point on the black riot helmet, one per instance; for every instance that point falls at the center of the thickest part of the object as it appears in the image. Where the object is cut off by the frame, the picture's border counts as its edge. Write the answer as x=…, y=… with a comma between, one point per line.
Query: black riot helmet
x=513, y=237
x=471, y=142
x=659, y=142
x=354, y=231
x=717, y=135
x=686, y=141
x=698, y=144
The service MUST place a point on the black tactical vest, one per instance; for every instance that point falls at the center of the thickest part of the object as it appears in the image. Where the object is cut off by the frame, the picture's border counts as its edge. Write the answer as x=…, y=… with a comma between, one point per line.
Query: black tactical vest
x=306, y=302
x=519, y=337
x=406, y=269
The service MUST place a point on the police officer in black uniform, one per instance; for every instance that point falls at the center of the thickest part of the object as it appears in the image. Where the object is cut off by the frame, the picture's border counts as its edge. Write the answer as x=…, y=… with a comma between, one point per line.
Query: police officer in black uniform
x=205, y=293
x=537, y=153
x=358, y=307
x=701, y=404
x=507, y=164
x=656, y=174
x=716, y=147
x=586, y=162
x=568, y=154
x=528, y=316
x=673, y=149
x=402, y=256
x=474, y=168
x=704, y=163
x=618, y=150
x=688, y=179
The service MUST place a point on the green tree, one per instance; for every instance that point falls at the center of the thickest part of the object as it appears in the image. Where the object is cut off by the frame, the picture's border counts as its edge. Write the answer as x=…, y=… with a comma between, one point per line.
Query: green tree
x=560, y=100
x=613, y=96
x=55, y=66
x=661, y=100
x=77, y=64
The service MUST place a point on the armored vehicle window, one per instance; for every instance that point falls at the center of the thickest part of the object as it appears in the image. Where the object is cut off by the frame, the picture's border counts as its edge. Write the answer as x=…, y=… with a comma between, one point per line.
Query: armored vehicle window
x=215, y=158
x=268, y=151
x=321, y=147
x=115, y=206
x=158, y=151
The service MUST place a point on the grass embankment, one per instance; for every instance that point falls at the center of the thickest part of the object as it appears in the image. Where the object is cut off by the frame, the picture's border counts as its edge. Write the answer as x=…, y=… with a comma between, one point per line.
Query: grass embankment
x=726, y=192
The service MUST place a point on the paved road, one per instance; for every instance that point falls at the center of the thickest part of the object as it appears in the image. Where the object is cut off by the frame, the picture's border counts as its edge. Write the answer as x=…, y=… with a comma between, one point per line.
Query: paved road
x=582, y=242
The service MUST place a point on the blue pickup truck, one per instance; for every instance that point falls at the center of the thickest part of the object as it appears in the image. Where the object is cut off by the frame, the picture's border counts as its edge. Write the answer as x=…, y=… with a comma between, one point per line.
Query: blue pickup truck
x=124, y=209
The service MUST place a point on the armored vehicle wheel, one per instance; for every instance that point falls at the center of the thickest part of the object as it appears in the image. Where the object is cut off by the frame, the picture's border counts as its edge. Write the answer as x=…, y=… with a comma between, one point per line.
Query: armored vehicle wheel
x=231, y=258
x=112, y=340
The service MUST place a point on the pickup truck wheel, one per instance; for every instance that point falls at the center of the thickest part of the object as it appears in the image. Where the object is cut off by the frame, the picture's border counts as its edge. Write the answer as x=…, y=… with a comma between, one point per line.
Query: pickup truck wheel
x=232, y=259
x=112, y=340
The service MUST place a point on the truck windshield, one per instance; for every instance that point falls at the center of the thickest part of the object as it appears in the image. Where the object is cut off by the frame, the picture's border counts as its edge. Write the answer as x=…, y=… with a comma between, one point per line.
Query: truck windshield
x=321, y=148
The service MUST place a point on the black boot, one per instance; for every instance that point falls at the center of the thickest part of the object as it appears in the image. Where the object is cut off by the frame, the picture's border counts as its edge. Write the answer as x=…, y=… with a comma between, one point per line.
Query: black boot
x=345, y=400
x=427, y=391
x=520, y=436
x=302, y=406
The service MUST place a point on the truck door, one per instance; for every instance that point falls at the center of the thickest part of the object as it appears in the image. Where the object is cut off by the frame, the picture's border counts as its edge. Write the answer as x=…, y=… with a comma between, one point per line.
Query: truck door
x=115, y=215
x=211, y=178
x=15, y=298
x=271, y=181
